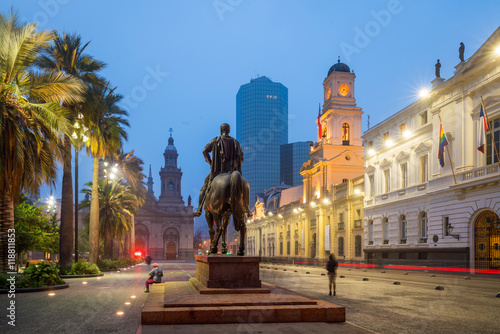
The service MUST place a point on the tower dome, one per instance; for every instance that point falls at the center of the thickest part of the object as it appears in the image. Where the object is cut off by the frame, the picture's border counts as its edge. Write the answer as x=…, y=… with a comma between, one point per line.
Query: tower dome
x=170, y=147
x=339, y=67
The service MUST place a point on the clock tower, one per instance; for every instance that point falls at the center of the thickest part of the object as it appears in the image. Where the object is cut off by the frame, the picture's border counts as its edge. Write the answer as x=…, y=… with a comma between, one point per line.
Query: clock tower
x=341, y=118
x=338, y=155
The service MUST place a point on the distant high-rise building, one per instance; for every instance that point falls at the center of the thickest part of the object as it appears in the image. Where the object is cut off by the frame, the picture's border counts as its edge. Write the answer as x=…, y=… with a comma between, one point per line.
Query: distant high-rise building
x=292, y=156
x=261, y=128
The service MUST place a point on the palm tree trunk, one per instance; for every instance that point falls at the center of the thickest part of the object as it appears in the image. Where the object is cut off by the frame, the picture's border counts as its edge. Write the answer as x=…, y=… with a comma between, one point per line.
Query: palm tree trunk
x=116, y=247
x=132, y=238
x=94, y=215
x=76, y=204
x=108, y=245
x=126, y=245
x=6, y=224
x=66, y=229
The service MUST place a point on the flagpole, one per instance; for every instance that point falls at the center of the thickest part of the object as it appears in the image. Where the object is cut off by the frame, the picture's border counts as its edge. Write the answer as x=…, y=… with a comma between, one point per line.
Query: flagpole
x=448, y=150
x=489, y=128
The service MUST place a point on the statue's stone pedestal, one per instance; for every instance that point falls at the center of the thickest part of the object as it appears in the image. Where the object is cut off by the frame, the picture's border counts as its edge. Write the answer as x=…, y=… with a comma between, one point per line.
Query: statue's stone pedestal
x=228, y=272
x=227, y=289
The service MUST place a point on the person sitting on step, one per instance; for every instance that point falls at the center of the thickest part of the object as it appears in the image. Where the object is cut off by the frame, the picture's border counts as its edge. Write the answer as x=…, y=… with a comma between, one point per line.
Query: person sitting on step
x=155, y=276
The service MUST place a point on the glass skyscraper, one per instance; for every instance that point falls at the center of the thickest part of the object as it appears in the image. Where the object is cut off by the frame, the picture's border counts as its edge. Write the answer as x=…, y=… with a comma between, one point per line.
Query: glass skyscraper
x=261, y=128
x=292, y=157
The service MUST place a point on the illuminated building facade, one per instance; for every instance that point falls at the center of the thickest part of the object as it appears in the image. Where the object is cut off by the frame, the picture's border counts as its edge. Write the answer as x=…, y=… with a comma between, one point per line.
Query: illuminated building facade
x=415, y=211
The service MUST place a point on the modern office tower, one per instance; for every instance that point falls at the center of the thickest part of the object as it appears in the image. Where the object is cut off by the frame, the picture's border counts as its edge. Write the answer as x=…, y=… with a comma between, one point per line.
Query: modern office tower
x=261, y=128
x=292, y=156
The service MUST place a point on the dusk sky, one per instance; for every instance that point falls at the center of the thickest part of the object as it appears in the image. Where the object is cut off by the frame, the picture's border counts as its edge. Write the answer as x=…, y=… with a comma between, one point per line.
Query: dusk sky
x=179, y=64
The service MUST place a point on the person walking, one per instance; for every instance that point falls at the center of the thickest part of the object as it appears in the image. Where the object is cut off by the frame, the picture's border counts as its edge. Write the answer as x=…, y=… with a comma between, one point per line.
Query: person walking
x=155, y=276
x=331, y=267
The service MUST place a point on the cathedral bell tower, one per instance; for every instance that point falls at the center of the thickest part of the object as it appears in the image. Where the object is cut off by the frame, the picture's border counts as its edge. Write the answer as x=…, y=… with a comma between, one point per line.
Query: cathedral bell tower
x=170, y=176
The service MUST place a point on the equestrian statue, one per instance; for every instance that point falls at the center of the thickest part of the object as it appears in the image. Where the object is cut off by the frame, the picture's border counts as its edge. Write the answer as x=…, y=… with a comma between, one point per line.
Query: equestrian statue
x=225, y=192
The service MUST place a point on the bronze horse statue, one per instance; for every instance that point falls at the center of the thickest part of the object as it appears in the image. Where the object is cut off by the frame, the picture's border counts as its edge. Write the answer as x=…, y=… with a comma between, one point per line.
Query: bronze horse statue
x=228, y=195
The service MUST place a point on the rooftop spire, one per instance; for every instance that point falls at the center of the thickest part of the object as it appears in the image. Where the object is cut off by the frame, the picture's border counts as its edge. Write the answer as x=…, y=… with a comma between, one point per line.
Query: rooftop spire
x=150, y=182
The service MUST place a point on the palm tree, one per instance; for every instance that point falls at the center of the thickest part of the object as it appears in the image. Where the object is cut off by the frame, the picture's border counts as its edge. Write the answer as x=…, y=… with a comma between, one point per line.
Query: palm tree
x=66, y=55
x=106, y=124
x=31, y=118
x=132, y=173
x=116, y=205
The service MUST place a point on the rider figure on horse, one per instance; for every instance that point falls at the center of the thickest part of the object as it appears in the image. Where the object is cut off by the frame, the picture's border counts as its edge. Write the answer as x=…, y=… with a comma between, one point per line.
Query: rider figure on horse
x=227, y=157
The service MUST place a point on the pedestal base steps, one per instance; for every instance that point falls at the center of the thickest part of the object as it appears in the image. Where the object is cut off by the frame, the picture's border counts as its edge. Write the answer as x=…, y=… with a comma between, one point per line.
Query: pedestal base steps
x=227, y=289
x=182, y=303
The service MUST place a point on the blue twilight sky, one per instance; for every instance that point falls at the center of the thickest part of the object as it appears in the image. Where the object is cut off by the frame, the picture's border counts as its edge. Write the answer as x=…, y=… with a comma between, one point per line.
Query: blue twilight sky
x=180, y=63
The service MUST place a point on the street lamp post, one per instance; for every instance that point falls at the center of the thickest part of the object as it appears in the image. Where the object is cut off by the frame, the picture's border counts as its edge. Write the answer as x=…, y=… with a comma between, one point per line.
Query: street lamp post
x=77, y=136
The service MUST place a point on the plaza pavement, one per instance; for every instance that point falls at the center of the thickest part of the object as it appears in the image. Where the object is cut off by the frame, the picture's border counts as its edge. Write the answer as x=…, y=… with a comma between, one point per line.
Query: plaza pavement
x=90, y=305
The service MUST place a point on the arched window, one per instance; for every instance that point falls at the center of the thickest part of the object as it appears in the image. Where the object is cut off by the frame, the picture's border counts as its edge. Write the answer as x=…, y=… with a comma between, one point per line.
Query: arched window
x=402, y=227
x=357, y=245
x=341, y=246
x=170, y=185
x=370, y=232
x=423, y=227
x=386, y=230
x=345, y=134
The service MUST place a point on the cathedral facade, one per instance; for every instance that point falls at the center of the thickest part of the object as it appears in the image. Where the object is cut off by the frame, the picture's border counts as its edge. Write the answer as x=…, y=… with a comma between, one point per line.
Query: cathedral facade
x=164, y=226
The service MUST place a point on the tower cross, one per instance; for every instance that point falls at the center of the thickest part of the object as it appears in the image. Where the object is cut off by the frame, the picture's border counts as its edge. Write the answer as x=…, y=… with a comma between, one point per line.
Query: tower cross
x=170, y=130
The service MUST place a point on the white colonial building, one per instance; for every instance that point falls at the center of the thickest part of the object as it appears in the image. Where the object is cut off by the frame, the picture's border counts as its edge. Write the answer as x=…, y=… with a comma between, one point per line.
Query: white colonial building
x=411, y=202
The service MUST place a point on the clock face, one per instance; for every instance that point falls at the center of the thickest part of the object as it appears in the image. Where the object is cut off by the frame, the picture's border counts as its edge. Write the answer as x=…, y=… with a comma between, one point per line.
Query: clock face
x=344, y=89
x=328, y=93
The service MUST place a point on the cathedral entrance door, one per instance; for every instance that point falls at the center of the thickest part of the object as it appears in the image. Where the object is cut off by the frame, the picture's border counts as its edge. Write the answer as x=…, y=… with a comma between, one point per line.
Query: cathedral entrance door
x=171, y=253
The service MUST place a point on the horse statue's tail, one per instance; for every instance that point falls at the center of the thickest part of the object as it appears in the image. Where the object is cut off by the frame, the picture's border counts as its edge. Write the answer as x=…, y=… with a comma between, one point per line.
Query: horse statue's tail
x=239, y=198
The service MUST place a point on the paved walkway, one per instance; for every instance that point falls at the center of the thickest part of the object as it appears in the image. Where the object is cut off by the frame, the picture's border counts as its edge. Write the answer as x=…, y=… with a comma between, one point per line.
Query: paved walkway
x=92, y=305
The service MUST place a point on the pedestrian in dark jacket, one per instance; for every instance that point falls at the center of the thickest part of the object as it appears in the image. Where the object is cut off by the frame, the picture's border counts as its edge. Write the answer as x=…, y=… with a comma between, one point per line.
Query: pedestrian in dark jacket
x=155, y=276
x=331, y=267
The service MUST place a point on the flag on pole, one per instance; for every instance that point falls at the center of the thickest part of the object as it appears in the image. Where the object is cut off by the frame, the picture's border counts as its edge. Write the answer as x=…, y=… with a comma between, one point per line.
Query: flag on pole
x=442, y=143
x=320, y=130
x=483, y=127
